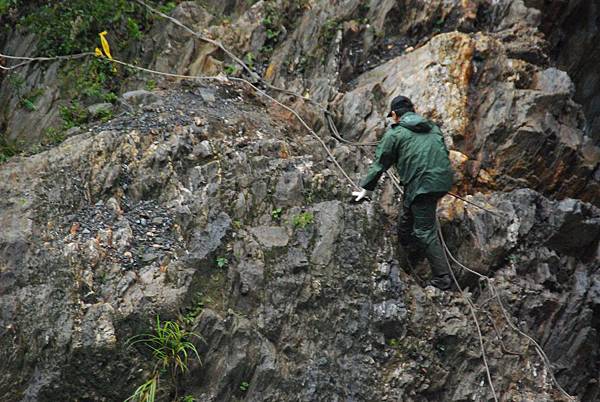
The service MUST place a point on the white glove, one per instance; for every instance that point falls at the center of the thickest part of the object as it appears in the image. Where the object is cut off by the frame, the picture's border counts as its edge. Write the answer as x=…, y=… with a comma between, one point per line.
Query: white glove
x=360, y=194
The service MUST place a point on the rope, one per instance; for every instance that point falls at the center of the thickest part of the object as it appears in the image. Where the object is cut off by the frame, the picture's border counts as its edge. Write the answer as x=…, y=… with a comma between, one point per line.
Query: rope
x=496, y=295
x=476, y=321
x=216, y=78
x=29, y=60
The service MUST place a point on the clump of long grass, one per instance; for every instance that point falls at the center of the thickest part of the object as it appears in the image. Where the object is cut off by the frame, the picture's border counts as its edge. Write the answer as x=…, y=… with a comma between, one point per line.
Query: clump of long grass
x=171, y=348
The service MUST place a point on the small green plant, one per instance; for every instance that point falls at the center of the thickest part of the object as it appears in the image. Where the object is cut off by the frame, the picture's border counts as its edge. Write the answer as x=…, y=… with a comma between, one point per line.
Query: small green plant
x=133, y=28
x=16, y=82
x=5, y=5
x=73, y=115
x=276, y=214
x=222, y=262
x=171, y=348
x=150, y=85
x=189, y=398
x=168, y=7
x=272, y=34
x=230, y=69
x=110, y=97
x=53, y=136
x=393, y=342
x=329, y=31
x=28, y=104
x=28, y=100
x=244, y=386
x=8, y=148
x=303, y=219
x=145, y=392
x=249, y=59
x=105, y=115
x=170, y=345
x=194, y=309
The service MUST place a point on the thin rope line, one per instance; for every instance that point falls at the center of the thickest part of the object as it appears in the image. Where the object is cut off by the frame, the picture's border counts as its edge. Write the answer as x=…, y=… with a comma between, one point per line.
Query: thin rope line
x=472, y=309
x=544, y=357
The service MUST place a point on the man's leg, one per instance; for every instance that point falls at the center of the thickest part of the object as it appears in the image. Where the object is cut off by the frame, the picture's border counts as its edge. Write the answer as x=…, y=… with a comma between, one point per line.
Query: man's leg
x=409, y=243
x=405, y=228
x=425, y=230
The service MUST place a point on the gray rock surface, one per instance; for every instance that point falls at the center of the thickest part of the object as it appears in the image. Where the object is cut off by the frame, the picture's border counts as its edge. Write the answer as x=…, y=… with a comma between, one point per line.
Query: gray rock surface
x=108, y=229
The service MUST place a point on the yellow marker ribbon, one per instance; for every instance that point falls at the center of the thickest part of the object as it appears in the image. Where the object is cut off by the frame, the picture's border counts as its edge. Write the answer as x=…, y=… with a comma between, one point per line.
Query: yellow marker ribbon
x=105, y=44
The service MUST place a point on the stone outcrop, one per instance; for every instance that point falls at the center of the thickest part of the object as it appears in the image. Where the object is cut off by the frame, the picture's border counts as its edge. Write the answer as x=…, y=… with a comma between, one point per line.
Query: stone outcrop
x=127, y=221
x=517, y=123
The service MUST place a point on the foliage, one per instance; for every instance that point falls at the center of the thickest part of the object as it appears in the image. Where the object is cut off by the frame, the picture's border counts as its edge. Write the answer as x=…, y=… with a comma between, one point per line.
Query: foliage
x=54, y=136
x=16, y=82
x=194, y=309
x=28, y=100
x=222, y=262
x=230, y=69
x=6, y=5
x=92, y=81
x=150, y=85
x=133, y=27
x=249, y=59
x=279, y=18
x=170, y=345
x=145, y=392
x=276, y=214
x=104, y=115
x=66, y=27
x=28, y=104
x=167, y=7
x=189, y=398
x=8, y=148
x=73, y=115
x=171, y=349
x=328, y=31
x=244, y=386
x=303, y=219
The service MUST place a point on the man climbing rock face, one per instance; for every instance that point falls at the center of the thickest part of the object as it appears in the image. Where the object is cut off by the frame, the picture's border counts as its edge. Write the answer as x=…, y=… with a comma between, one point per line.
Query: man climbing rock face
x=416, y=146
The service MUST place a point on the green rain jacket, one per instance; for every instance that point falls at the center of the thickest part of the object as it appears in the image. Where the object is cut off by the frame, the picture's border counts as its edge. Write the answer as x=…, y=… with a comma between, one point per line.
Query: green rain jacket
x=417, y=147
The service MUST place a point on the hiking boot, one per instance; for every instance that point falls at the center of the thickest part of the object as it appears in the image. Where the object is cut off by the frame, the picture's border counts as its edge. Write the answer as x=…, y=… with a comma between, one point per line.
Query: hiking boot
x=442, y=282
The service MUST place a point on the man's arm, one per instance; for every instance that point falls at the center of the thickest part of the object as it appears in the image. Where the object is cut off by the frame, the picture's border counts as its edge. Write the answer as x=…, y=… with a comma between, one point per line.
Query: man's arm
x=385, y=156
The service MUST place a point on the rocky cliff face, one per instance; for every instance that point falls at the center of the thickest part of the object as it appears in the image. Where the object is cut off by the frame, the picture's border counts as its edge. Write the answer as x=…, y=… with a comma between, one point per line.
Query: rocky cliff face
x=205, y=203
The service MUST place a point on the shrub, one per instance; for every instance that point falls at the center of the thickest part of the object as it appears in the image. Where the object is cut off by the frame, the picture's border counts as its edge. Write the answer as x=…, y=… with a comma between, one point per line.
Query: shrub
x=304, y=219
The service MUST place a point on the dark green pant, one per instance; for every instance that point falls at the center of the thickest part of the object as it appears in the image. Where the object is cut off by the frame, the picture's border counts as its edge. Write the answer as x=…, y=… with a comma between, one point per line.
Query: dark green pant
x=417, y=228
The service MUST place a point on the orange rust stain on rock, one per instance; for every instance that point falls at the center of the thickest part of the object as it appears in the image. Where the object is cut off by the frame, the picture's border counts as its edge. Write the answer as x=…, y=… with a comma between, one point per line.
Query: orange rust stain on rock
x=270, y=71
x=469, y=9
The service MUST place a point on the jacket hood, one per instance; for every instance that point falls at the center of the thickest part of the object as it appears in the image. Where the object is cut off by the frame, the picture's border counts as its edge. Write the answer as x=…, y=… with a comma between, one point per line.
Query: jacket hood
x=415, y=123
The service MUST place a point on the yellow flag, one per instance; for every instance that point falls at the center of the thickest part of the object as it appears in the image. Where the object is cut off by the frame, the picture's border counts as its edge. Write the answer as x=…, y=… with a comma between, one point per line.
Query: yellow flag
x=105, y=45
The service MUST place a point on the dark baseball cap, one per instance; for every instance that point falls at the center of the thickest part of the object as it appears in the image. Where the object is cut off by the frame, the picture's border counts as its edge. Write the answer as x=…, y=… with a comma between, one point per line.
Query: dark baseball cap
x=400, y=103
